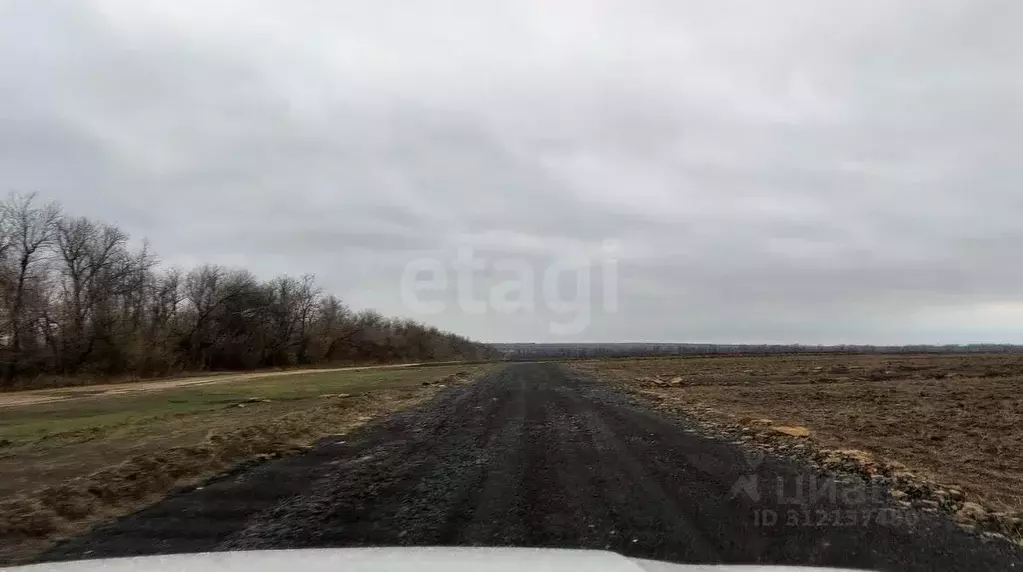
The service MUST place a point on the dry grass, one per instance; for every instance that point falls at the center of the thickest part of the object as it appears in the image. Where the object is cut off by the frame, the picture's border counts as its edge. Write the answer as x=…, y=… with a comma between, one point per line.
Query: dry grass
x=954, y=419
x=70, y=464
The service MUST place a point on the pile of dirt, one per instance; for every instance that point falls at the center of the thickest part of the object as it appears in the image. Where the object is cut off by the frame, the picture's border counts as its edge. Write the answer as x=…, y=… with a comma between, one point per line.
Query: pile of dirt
x=661, y=381
x=453, y=379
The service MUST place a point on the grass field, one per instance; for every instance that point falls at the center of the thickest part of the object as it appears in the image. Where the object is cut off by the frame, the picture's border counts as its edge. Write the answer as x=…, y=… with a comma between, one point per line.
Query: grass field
x=954, y=420
x=68, y=464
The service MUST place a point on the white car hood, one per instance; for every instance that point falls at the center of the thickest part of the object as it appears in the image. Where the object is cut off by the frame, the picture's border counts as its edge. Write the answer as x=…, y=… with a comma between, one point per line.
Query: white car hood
x=389, y=560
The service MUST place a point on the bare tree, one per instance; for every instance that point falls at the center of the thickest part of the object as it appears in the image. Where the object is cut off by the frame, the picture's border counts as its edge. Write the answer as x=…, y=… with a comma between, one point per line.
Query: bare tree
x=96, y=268
x=31, y=232
x=305, y=308
x=207, y=290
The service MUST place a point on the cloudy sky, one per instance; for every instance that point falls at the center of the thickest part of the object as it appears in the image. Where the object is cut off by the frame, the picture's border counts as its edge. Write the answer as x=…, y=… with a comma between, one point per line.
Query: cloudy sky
x=815, y=171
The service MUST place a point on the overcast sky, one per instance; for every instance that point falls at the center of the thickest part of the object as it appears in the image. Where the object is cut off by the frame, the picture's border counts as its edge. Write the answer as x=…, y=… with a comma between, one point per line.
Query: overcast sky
x=817, y=172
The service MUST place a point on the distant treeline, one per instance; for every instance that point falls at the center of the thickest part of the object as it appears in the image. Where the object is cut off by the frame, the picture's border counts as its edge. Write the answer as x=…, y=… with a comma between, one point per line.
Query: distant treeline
x=75, y=299
x=516, y=351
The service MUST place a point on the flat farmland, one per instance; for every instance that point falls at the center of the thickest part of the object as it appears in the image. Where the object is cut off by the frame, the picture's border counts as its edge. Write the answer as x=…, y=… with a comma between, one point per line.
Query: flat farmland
x=955, y=421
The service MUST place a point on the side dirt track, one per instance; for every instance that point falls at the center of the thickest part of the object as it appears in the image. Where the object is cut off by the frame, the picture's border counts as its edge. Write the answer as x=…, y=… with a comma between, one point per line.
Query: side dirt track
x=538, y=455
x=38, y=396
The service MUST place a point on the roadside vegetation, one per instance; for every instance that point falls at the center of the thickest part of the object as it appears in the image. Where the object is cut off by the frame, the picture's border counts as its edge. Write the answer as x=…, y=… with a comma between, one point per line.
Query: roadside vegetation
x=69, y=464
x=945, y=432
x=77, y=303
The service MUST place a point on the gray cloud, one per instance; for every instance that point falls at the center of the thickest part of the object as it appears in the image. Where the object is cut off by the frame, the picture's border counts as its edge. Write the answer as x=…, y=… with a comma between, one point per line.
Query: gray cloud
x=783, y=172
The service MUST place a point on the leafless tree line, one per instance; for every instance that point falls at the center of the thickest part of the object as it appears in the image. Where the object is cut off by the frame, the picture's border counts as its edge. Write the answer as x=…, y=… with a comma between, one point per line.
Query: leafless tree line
x=75, y=299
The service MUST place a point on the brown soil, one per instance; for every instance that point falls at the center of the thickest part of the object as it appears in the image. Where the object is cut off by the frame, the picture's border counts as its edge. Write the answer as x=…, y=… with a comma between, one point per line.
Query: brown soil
x=954, y=420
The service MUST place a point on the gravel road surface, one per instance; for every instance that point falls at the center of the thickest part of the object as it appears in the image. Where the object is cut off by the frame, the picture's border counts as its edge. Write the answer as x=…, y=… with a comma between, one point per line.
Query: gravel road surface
x=538, y=455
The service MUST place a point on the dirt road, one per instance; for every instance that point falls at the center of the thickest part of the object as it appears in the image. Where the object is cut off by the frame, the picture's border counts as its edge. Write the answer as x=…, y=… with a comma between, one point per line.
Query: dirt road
x=535, y=455
x=37, y=396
